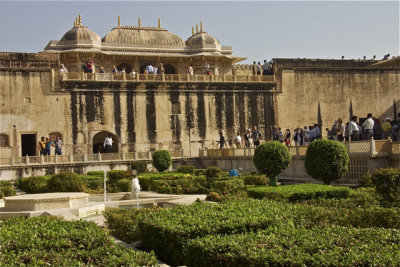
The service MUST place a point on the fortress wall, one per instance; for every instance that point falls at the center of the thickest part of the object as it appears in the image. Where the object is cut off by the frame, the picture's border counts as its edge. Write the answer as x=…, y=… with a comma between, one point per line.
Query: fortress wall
x=28, y=106
x=308, y=93
x=157, y=116
x=143, y=116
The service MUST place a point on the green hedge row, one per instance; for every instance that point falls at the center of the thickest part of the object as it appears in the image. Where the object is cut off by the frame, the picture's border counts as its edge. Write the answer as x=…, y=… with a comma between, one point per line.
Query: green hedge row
x=6, y=189
x=290, y=246
x=45, y=241
x=179, y=225
x=166, y=232
x=299, y=192
x=123, y=223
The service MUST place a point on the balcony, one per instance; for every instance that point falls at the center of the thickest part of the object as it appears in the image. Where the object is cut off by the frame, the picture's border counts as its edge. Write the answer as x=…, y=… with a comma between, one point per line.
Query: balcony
x=162, y=78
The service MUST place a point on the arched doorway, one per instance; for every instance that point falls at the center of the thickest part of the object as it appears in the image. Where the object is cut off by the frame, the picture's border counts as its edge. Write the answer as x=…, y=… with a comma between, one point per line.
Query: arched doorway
x=98, y=142
x=128, y=68
x=169, y=69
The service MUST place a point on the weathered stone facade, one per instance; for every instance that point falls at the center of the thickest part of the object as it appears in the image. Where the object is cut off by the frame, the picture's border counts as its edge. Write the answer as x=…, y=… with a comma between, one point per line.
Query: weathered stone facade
x=150, y=115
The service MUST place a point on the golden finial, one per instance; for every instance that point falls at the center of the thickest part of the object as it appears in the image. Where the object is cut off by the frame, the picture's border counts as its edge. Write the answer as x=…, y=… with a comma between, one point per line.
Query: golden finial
x=192, y=30
x=74, y=22
x=140, y=22
x=197, y=28
x=80, y=20
x=201, y=26
x=159, y=23
x=119, y=21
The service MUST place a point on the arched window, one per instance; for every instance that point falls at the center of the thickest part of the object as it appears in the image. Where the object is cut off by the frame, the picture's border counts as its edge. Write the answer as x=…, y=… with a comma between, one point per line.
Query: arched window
x=4, y=141
x=169, y=69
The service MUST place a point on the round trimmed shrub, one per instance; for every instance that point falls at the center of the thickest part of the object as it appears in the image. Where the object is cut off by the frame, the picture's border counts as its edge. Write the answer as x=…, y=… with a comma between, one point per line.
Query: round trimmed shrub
x=326, y=160
x=271, y=158
x=213, y=173
x=65, y=182
x=162, y=160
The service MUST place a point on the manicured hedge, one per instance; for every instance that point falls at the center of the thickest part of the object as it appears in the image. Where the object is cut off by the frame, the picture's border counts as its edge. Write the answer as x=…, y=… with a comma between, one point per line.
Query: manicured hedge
x=189, y=169
x=290, y=246
x=184, y=185
x=387, y=182
x=95, y=173
x=227, y=185
x=166, y=232
x=45, y=241
x=255, y=179
x=6, y=189
x=139, y=167
x=65, y=182
x=33, y=184
x=299, y=192
x=123, y=223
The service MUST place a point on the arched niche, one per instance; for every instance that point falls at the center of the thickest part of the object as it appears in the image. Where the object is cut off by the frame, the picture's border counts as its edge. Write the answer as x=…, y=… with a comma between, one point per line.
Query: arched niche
x=98, y=142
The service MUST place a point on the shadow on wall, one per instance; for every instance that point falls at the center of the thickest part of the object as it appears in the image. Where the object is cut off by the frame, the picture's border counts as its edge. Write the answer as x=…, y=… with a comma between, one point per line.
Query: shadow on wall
x=98, y=142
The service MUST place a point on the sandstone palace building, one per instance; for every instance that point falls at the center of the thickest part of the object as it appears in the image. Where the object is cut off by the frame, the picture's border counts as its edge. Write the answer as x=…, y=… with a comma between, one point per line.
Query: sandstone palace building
x=174, y=110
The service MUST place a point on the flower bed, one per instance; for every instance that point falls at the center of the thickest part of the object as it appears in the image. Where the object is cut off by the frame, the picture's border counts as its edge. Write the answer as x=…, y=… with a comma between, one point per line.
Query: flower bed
x=299, y=192
x=52, y=241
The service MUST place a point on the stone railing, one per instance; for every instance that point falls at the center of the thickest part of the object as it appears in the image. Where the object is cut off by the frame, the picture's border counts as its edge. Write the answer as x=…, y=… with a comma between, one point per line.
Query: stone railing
x=82, y=158
x=372, y=148
x=79, y=76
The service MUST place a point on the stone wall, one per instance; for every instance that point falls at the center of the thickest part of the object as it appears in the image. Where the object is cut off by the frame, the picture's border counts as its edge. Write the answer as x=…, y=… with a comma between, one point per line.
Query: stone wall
x=322, y=91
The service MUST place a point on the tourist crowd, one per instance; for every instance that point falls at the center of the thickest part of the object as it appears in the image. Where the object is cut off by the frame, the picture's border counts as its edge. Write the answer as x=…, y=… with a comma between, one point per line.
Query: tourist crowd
x=354, y=130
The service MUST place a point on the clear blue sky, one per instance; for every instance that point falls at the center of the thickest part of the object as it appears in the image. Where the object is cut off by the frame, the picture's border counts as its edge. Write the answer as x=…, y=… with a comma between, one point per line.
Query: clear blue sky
x=256, y=30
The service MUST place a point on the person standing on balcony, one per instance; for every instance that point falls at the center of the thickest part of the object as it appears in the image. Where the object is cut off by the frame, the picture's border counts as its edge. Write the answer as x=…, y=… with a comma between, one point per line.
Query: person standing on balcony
x=353, y=129
x=265, y=67
x=161, y=69
x=42, y=146
x=206, y=68
x=254, y=68
x=340, y=130
x=256, y=135
x=259, y=68
x=221, y=140
x=190, y=70
x=368, y=125
x=114, y=70
x=238, y=140
x=63, y=69
x=108, y=144
x=89, y=66
x=102, y=70
x=247, y=139
x=58, y=145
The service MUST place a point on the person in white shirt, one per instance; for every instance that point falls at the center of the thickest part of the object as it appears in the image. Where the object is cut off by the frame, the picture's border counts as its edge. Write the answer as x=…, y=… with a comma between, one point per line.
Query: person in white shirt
x=63, y=69
x=238, y=140
x=108, y=144
x=190, y=70
x=353, y=129
x=368, y=125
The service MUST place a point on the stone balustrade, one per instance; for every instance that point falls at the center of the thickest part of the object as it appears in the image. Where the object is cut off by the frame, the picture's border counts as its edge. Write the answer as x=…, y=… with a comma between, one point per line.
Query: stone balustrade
x=79, y=76
x=372, y=148
x=84, y=158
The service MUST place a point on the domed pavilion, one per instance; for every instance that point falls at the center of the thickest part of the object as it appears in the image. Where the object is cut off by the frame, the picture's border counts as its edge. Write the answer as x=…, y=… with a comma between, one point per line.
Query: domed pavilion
x=135, y=47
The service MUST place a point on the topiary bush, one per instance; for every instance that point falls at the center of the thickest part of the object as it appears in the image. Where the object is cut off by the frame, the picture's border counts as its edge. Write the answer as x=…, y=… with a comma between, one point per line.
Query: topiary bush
x=326, y=160
x=139, y=167
x=213, y=173
x=162, y=160
x=65, y=182
x=387, y=183
x=199, y=172
x=271, y=158
x=95, y=173
x=189, y=169
x=33, y=185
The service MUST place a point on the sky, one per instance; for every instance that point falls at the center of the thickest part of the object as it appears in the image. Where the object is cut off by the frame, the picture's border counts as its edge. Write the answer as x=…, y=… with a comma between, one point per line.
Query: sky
x=256, y=30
